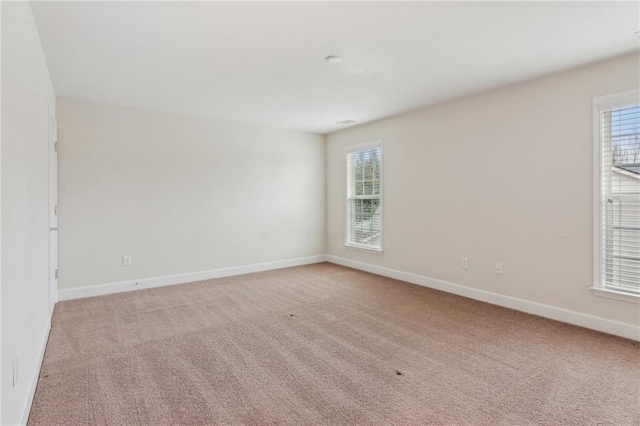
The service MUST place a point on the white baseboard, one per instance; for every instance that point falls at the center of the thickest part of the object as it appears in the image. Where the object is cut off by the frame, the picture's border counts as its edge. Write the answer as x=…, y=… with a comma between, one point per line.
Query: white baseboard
x=103, y=289
x=35, y=376
x=593, y=322
x=629, y=331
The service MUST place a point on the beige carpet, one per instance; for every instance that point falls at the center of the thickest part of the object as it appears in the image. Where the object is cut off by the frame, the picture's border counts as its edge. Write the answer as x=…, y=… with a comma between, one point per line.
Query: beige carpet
x=323, y=344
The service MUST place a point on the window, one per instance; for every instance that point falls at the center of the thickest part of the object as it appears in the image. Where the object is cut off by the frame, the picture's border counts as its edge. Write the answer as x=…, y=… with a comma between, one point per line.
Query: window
x=617, y=195
x=364, y=196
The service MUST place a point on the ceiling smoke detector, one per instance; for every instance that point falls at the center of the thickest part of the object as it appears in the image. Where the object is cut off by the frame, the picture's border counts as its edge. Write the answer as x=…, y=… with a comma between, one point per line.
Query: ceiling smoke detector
x=344, y=122
x=333, y=59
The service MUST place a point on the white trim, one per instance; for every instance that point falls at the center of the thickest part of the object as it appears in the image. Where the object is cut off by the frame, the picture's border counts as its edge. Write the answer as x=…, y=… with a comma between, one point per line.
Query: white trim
x=601, y=103
x=144, y=283
x=364, y=249
x=53, y=216
x=597, y=217
x=617, y=100
x=618, y=295
x=363, y=146
x=26, y=410
x=629, y=331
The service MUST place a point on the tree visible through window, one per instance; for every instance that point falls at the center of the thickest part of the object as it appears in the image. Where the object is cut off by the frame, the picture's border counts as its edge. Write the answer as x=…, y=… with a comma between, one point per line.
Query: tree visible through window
x=619, y=140
x=364, y=196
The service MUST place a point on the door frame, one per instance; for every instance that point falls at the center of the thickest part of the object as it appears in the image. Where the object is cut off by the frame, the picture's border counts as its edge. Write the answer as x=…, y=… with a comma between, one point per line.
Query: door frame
x=53, y=210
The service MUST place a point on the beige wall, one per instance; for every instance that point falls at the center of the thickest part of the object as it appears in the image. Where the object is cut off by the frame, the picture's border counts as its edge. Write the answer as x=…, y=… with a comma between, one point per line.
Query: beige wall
x=181, y=194
x=502, y=176
x=27, y=100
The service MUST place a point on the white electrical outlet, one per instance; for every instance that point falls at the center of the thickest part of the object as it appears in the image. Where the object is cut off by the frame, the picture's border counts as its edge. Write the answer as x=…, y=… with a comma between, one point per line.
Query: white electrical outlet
x=498, y=268
x=14, y=367
x=312, y=241
x=464, y=262
x=126, y=260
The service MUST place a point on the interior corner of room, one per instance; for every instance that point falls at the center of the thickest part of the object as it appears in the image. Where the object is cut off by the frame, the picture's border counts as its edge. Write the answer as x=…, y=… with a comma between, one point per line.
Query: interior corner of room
x=216, y=150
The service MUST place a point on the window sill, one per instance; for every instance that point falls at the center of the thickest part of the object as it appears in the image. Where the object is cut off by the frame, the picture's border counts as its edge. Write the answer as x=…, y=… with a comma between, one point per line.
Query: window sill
x=618, y=295
x=364, y=249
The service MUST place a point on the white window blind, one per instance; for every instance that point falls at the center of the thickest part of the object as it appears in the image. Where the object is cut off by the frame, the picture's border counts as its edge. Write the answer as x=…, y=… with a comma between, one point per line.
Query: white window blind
x=618, y=143
x=364, y=196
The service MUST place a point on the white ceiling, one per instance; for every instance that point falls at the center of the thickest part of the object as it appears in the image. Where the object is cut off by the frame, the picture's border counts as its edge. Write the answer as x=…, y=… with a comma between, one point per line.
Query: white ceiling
x=263, y=63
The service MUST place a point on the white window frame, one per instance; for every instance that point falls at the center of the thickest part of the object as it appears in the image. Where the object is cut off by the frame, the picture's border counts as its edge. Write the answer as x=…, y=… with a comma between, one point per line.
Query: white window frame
x=347, y=150
x=600, y=103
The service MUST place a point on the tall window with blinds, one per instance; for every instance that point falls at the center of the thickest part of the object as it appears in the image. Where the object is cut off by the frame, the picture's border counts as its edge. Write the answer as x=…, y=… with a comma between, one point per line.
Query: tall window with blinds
x=364, y=196
x=618, y=218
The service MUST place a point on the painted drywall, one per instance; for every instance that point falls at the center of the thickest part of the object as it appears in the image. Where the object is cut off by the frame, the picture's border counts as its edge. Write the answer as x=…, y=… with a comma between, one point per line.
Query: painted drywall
x=503, y=176
x=181, y=194
x=27, y=100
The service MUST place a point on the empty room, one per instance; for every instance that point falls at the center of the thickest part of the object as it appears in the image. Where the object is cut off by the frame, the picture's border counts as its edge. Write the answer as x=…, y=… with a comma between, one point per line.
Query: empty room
x=314, y=213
